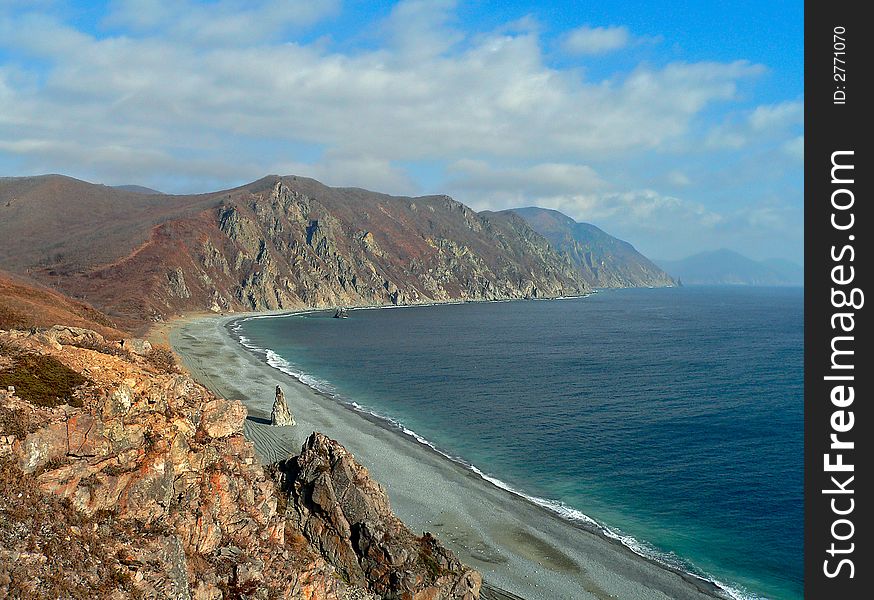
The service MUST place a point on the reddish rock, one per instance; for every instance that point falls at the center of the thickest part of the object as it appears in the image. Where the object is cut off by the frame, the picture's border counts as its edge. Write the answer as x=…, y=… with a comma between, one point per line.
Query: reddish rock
x=347, y=516
x=158, y=467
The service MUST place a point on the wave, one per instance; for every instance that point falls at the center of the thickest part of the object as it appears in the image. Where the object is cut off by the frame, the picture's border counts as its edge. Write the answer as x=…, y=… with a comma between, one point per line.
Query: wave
x=564, y=511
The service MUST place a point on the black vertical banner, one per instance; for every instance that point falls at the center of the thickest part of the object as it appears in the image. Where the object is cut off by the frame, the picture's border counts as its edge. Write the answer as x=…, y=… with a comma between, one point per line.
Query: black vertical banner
x=838, y=57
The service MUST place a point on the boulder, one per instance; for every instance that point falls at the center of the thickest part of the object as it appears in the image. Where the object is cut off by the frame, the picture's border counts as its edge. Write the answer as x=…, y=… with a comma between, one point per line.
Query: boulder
x=221, y=418
x=281, y=415
x=136, y=346
x=73, y=336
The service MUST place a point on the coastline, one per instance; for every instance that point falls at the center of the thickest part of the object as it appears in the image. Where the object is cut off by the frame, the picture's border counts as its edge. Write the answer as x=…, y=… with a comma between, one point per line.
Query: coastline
x=517, y=544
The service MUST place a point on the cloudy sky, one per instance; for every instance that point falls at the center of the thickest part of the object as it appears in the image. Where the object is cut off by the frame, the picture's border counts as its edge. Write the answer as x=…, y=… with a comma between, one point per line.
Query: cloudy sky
x=674, y=125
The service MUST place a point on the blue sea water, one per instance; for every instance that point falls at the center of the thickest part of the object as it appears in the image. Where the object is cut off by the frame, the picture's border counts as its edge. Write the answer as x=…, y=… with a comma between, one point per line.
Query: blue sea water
x=672, y=417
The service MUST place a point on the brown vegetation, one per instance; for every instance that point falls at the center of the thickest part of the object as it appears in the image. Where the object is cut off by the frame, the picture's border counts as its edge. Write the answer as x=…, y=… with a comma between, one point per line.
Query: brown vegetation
x=42, y=380
x=25, y=304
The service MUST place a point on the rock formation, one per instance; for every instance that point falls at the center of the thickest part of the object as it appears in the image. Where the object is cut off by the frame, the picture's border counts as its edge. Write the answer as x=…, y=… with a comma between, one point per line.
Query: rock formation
x=346, y=515
x=281, y=415
x=124, y=479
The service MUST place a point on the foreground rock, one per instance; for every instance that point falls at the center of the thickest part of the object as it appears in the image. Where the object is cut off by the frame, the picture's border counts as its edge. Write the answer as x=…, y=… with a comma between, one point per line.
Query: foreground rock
x=281, y=415
x=346, y=515
x=140, y=484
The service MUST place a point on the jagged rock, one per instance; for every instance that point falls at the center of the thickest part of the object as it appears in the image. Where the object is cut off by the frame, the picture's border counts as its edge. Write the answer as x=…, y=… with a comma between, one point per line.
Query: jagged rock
x=221, y=418
x=167, y=500
x=347, y=516
x=137, y=346
x=281, y=415
x=73, y=336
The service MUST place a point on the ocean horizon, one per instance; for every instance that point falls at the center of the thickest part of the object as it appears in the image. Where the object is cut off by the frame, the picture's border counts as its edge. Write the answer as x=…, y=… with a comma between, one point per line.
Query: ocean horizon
x=672, y=418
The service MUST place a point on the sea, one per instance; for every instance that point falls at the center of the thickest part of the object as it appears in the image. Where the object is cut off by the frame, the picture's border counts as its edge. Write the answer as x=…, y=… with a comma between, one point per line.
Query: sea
x=671, y=417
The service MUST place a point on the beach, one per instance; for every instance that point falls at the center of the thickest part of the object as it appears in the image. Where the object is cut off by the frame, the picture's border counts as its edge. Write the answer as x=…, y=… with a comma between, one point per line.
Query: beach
x=518, y=546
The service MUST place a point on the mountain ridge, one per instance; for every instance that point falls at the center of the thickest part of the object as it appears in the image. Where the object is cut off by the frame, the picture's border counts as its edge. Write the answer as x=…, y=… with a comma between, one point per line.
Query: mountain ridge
x=603, y=260
x=275, y=243
x=285, y=242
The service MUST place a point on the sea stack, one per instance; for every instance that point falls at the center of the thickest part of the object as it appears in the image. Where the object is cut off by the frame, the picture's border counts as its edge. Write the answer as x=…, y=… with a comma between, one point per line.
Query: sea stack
x=281, y=415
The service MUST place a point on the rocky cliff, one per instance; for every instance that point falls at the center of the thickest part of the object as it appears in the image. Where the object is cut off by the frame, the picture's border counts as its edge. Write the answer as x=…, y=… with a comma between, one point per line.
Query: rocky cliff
x=602, y=260
x=120, y=477
x=279, y=242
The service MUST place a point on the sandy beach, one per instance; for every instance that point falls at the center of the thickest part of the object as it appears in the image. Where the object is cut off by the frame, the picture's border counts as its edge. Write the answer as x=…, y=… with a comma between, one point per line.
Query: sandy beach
x=518, y=546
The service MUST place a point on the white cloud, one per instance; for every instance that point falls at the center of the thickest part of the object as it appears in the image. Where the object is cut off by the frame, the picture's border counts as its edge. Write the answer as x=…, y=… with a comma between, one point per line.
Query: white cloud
x=794, y=148
x=596, y=40
x=776, y=116
x=494, y=97
x=539, y=179
x=224, y=22
x=678, y=178
x=767, y=121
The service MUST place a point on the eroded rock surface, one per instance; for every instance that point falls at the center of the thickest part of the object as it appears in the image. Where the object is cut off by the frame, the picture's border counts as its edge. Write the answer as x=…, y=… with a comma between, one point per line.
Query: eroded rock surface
x=281, y=415
x=142, y=485
x=346, y=515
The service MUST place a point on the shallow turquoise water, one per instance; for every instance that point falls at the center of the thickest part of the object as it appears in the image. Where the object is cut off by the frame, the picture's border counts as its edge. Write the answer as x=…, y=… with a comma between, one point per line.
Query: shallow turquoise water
x=674, y=417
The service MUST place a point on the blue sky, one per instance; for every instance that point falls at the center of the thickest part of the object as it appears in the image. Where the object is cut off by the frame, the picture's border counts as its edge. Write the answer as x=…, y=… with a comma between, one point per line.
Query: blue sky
x=674, y=125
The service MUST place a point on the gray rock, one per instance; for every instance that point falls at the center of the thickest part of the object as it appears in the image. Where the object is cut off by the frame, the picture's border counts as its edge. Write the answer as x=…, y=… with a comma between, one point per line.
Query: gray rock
x=136, y=346
x=281, y=416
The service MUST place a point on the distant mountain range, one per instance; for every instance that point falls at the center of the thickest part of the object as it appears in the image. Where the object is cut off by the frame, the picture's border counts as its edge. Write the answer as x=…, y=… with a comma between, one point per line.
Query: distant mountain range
x=726, y=267
x=604, y=261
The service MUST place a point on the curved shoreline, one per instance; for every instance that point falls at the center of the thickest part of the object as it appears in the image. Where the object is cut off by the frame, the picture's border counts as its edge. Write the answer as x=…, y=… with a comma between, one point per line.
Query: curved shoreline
x=644, y=575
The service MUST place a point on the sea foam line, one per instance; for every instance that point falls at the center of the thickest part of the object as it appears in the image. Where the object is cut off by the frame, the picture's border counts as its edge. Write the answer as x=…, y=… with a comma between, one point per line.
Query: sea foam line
x=557, y=507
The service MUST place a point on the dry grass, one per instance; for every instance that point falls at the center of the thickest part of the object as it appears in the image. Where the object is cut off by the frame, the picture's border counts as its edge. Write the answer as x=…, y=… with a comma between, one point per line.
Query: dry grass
x=162, y=359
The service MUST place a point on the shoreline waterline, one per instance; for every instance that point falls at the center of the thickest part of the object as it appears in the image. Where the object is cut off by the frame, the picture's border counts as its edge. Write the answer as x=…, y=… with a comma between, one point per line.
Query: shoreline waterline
x=695, y=585
x=563, y=511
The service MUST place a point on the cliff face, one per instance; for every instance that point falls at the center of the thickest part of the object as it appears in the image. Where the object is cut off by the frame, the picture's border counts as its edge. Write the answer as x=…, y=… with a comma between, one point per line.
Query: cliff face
x=602, y=260
x=279, y=243
x=120, y=477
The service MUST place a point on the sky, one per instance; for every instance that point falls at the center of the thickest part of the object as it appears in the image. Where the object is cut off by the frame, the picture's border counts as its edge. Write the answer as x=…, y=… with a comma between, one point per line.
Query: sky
x=675, y=125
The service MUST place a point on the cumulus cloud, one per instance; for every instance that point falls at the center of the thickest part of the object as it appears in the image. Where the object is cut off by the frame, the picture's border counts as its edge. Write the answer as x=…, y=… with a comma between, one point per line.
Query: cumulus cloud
x=764, y=122
x=596, y=40
x=495, y=97
x=539, y=179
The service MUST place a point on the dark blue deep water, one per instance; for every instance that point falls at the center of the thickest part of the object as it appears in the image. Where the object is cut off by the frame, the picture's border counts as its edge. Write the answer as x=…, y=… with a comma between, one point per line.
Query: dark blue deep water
x=674, y=417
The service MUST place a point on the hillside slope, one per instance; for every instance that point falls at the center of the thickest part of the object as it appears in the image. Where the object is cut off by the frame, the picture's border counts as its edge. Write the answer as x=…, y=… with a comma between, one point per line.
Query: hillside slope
x=24, y=304
x=279, y=242
x=603, y=260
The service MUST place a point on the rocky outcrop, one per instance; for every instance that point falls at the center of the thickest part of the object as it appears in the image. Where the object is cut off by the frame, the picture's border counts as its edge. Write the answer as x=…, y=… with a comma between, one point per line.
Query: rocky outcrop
x=346, y=515
x=140, y=483
x=136, y=345
x=281, y=416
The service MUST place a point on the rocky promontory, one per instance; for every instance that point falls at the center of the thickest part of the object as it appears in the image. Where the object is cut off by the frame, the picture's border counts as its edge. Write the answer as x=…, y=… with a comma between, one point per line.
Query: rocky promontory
x=120, y=477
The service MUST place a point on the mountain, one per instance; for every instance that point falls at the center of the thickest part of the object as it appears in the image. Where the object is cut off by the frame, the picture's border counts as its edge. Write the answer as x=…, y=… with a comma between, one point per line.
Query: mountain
x=279, y=242
x=603, y=260
x=726, y=267
x=136, y=189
